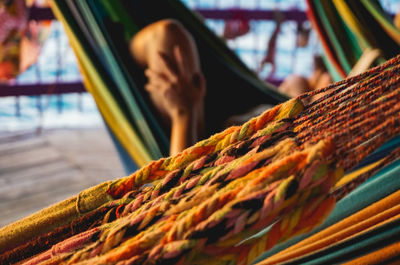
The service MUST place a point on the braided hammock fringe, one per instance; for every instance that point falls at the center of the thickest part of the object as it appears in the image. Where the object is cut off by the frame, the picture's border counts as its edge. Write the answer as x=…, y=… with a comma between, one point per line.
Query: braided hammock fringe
x=209, y=203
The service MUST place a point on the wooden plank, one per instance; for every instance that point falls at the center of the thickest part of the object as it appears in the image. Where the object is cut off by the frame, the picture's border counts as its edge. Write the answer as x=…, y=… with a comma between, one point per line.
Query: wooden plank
x=22, y=148
x=27, y=159
x=102, y=175
x=35, y=171
x=97, y=152
x=17, y=209
x=81, y=140
x=42, y=184
x=22, y=144
x=9, y=137
x=57, y=164
x=96, y=160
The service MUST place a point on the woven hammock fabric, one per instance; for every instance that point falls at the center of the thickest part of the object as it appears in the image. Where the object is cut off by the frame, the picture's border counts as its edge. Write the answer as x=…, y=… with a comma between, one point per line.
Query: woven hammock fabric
x=231, y=197
x=349, y=30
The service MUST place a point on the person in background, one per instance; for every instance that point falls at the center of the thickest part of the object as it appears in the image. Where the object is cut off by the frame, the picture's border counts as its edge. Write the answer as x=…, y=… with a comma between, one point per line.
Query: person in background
x=176, y=84
x=177, y=87
x=295, y=85
x=270, y=56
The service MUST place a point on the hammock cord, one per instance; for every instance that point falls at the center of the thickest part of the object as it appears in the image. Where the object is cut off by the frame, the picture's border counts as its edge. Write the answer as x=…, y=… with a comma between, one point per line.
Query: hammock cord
x=277, y=171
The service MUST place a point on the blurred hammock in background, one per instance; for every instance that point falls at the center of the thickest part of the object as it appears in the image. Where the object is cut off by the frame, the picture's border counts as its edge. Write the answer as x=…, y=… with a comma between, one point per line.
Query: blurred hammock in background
x=20, y=38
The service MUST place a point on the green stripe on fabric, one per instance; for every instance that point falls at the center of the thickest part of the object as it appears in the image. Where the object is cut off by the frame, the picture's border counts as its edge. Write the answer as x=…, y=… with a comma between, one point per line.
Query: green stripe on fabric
x=334, y=30
x=383, y=18
x=121, y=78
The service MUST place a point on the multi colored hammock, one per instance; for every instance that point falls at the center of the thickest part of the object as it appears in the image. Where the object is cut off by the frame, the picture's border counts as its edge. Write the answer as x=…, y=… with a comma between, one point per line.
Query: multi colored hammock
x=350, y=29
x=99, y=33
x=246, y=190
x=20, y=39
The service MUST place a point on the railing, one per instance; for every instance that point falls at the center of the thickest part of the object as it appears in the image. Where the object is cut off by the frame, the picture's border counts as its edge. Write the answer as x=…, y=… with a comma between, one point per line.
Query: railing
x=250, y=14
x=39, y=13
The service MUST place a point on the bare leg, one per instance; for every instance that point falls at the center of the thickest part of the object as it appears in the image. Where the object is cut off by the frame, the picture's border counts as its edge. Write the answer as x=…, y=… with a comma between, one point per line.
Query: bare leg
x=175, y=82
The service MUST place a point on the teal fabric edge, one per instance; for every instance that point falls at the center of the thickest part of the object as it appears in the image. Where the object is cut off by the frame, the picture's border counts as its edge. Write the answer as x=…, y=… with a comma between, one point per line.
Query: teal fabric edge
x=385, y=182
x=331, y=68
x=122, y=81
x=378, y=154
x=353, y=247
x=394, y=142
x=127, y=162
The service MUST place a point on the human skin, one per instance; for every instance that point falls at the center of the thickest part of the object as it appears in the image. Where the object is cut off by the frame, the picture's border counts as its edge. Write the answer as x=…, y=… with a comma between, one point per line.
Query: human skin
x=175, y=84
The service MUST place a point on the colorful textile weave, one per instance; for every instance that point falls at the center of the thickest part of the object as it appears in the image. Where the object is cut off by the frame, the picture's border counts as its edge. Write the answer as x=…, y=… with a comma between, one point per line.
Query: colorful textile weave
x=233, y=196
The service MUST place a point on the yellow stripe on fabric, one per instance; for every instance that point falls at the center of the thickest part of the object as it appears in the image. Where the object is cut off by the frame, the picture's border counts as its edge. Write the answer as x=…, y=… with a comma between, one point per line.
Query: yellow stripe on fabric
x=349, y=177
x=377, y=214
x=352, y=22
x=107, y=105
x=290, y=109
x=119, y=125
x=387, y=26
x=38, y=223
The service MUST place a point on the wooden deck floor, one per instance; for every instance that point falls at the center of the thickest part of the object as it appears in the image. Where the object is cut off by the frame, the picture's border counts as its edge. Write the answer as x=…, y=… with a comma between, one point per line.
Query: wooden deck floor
x=37, y=170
